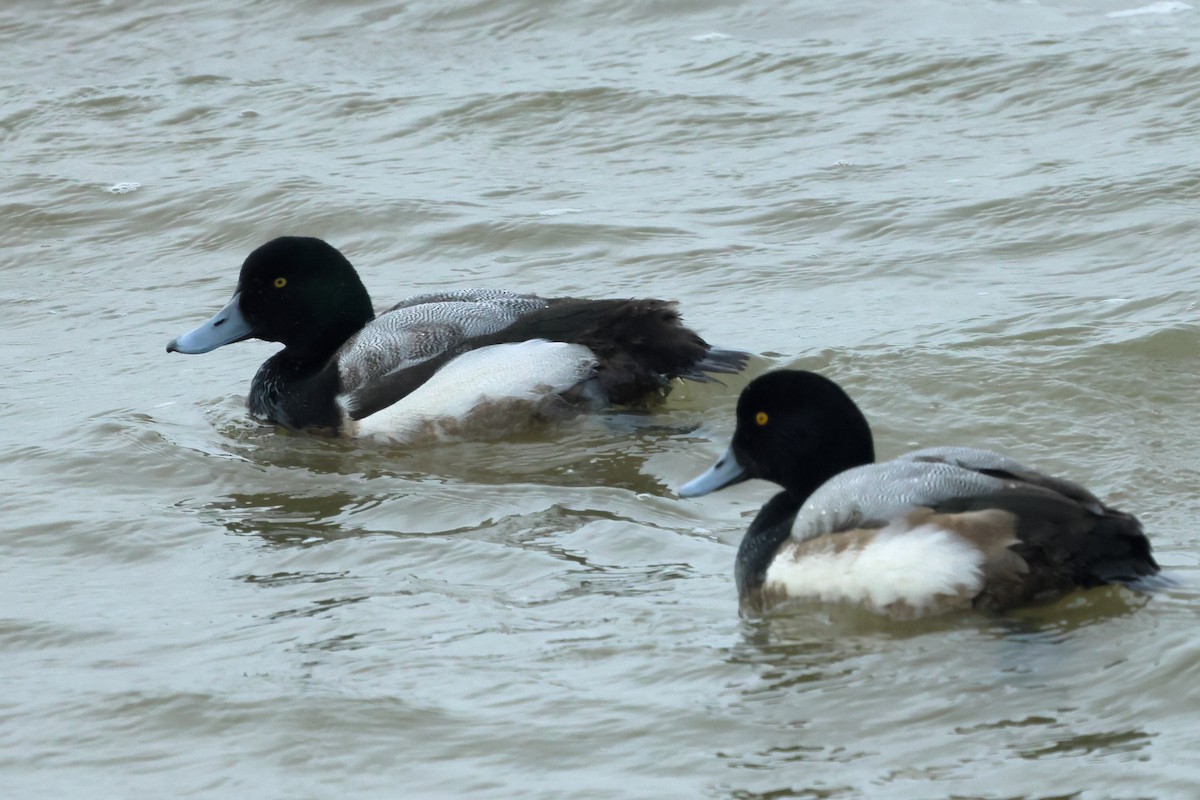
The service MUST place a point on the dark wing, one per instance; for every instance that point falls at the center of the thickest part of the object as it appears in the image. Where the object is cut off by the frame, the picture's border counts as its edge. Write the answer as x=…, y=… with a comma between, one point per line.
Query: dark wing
x=639, y=344
x=1062, y=544
x=1065, y=534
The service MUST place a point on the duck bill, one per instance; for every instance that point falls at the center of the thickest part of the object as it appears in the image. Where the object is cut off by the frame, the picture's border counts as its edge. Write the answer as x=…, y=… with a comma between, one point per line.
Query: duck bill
x=226, y=327
x=726, y=472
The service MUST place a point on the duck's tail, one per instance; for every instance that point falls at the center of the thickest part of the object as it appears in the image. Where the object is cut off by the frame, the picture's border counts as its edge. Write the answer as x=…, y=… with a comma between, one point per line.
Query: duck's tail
x=1062, y=544
x=643, y=344
x=639, y=344
x=720, y=362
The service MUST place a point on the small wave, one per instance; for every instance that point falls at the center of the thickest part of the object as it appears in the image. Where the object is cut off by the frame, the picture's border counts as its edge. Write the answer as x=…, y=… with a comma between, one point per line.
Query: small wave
x=1168, y=7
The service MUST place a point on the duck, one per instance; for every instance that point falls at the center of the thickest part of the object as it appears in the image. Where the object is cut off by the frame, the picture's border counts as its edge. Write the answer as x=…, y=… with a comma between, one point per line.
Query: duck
x=930, y=532
x=457, y=362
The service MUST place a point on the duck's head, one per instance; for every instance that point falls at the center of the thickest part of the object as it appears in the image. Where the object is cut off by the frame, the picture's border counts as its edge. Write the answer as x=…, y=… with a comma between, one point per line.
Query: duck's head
x=295, y=290
x=794, y=428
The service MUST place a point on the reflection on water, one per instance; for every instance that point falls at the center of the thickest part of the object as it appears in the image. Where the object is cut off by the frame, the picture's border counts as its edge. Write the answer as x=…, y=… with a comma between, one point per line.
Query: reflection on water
x=1098, y=744
x=841, y=687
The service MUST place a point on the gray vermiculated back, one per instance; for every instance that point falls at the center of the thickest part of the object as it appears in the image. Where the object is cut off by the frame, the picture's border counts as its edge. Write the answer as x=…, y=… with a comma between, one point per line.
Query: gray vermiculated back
x=423, y=327
x=969, y=458
x=523, y=302
x=973, y=459
x=875, y=493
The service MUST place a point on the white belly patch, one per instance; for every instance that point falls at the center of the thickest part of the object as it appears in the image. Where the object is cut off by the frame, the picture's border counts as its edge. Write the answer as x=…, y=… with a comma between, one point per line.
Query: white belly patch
x=504, y=379
x=900, y=570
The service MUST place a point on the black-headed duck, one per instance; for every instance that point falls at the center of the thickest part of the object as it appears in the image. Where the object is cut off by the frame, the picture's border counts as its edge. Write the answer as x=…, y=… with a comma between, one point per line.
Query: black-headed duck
x=450, y=361
x=928, y=532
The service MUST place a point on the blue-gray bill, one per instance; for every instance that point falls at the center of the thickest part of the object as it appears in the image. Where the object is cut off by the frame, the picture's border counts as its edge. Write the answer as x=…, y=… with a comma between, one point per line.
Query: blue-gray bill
x=726, y=472
x=226, y=327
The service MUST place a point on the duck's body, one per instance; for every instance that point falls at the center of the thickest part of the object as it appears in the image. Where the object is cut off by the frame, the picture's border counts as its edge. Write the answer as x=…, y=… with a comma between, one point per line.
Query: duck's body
x=930, y=531
x=445, y=362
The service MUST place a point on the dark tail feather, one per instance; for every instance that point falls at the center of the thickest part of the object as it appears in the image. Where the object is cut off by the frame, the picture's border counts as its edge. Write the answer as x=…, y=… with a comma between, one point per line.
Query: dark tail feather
x=647, y=344
x=1153, y=583
x=640, y=344
x=1066, y=544
x=720, y=362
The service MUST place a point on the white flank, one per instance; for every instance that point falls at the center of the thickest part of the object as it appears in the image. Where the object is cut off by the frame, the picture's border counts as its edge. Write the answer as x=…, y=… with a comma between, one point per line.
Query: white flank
x=900, y=565
x=516, y=373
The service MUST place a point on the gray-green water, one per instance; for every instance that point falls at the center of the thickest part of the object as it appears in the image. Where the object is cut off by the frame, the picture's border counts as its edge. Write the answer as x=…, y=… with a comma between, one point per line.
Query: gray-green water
x=979, y=216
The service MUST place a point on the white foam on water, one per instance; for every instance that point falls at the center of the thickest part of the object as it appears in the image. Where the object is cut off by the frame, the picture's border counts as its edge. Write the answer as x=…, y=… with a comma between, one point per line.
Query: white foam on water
x=1167, y=7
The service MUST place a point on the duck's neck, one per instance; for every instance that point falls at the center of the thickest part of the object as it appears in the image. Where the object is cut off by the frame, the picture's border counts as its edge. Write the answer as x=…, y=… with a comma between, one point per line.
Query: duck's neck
x=773, y=526
x=767, y=532
x=309, y=346
x=285, y=390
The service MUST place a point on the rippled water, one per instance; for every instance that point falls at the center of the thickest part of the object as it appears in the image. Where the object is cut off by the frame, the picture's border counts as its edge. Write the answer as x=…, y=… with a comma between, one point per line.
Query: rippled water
x=980, y=217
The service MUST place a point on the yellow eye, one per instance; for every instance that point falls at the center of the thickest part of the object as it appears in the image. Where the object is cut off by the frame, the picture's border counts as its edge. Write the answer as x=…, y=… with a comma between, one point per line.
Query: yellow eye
x=761, y=418
x=280, y=283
